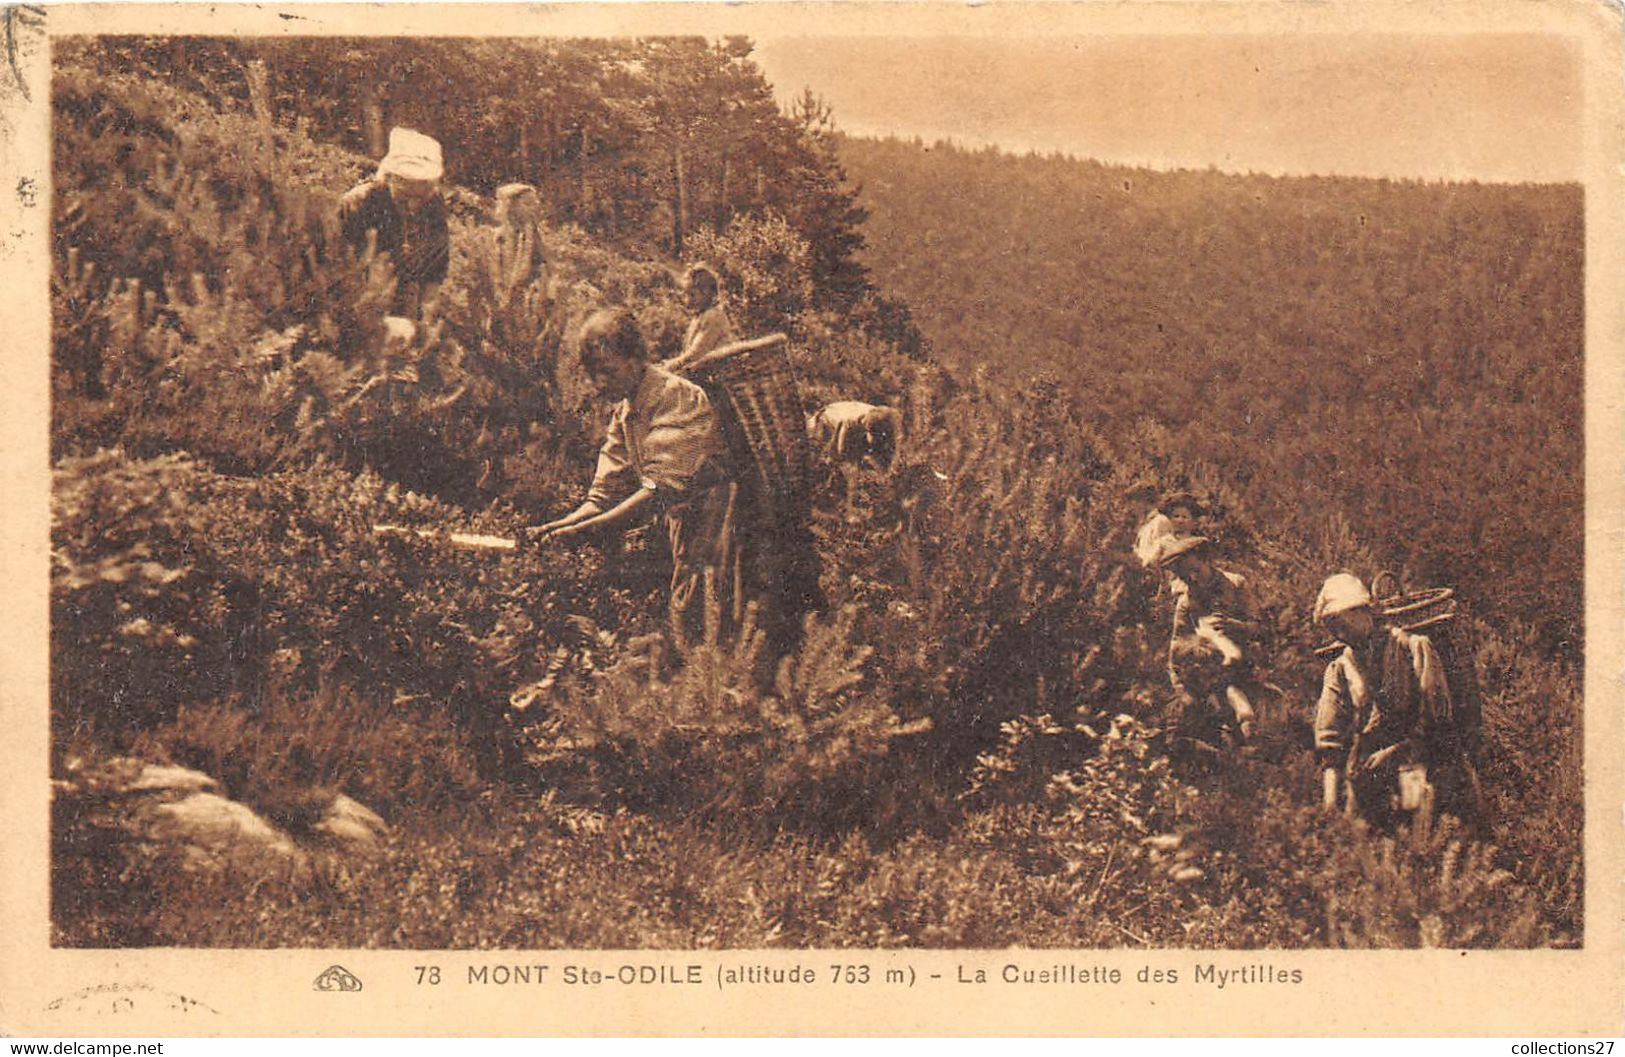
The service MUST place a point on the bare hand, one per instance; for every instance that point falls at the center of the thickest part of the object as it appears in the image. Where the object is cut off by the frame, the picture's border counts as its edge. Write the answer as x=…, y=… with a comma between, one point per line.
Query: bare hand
x=541, y=533
x=1330, y=782
x=576, y=532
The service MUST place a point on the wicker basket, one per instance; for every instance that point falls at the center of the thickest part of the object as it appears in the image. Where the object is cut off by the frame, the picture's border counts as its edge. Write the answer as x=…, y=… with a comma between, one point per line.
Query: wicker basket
x=1413, y=610
x=756, y=393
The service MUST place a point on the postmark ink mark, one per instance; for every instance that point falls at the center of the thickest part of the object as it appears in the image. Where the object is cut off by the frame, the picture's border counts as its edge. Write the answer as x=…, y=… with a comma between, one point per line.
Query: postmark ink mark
x=337, y=978
x=113, y=999
x=19, y=18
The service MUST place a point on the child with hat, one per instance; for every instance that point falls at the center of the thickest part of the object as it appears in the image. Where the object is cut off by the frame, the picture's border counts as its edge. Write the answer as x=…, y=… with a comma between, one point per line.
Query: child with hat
x=1212, y=610
x=1383, y=701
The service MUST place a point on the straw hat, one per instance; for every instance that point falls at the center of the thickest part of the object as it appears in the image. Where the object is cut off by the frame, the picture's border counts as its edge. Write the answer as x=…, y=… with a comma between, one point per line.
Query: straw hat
x=412, y=156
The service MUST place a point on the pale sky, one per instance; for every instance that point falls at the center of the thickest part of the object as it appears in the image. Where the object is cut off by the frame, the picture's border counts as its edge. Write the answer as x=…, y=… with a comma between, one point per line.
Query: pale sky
x=1486, y=107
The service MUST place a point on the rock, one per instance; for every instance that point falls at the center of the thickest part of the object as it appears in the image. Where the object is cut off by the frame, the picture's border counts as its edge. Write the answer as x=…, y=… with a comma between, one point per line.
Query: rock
x=211, y=831
x=156, y=779
x=183, y=813
x=352, y=825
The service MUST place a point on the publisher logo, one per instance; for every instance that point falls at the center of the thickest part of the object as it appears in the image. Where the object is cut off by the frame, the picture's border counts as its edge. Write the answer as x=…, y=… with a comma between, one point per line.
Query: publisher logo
x=338, y=978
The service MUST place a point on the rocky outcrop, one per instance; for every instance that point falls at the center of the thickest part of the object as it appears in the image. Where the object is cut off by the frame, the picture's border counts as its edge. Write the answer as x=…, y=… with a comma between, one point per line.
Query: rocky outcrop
x=186, y=815
x=214, y=832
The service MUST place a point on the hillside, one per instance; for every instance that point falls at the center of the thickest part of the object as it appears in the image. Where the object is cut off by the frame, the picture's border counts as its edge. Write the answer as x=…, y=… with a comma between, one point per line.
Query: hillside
x=1331, y=348
x=969, y=748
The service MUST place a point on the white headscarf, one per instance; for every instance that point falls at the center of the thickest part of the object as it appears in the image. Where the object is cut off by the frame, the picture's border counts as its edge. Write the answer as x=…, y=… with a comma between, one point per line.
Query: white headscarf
x=412, y=156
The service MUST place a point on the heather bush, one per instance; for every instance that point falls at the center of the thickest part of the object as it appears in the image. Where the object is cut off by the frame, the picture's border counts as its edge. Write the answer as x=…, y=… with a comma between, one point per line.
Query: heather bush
x=291, y=754
x=691, y=728
x=1303, y=874
x=174, y=585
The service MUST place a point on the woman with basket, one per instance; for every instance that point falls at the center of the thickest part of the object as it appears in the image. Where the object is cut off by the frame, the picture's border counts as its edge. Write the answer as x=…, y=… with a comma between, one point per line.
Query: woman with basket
x=663, y=457
x=1388, y=735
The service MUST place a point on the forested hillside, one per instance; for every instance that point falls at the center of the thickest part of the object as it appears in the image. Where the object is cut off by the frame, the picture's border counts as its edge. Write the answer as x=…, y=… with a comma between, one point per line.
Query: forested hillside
x=1332, y=348
x=971, y=744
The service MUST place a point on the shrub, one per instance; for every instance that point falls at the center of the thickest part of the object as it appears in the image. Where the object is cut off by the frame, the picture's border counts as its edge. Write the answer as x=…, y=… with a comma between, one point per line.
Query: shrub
x=689, y=726
x=765, y=267
x=175, y=586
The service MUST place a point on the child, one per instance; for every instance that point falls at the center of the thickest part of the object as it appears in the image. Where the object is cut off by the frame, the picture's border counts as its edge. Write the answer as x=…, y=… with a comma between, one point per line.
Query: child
x=1212, y=610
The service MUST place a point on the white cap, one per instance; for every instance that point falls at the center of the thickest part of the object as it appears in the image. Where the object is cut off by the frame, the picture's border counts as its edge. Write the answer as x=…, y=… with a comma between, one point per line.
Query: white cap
x=413, y=156
x=1339, y=594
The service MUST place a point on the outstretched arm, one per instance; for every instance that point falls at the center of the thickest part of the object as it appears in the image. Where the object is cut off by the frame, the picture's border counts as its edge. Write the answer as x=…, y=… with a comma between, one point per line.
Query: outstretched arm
x=625, y=514
x=579, y=514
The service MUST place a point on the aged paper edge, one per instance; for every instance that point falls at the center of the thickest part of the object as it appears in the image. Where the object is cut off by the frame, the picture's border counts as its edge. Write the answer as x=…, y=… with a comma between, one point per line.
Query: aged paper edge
x=270, y=993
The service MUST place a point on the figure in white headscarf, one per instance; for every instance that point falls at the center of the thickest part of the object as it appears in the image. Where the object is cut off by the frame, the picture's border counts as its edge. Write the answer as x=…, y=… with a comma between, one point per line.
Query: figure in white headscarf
x=399, y=213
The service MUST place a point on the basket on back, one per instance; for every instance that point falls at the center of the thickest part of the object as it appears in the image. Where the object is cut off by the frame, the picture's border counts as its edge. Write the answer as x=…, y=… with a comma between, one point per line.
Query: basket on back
x=756, y=393
x=1434, y=612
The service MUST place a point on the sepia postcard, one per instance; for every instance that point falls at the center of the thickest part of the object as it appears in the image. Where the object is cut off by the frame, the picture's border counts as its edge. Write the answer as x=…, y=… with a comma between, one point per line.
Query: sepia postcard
x=812, y=519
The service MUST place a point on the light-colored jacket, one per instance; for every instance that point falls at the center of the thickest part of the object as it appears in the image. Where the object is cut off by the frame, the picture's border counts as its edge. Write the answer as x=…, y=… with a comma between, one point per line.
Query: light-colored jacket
x=1387, y=697
x=1156, y=527
x=849, y=430
x=660, y=439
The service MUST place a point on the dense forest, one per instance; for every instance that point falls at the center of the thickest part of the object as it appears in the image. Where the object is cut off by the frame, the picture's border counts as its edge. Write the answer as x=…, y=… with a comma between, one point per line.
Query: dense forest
x=971, y=745
x=1333, y=348
x=642, y=142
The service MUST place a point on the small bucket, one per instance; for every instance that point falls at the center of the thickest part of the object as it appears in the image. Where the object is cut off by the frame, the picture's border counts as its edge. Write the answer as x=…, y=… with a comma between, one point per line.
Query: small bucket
x=1413, y=786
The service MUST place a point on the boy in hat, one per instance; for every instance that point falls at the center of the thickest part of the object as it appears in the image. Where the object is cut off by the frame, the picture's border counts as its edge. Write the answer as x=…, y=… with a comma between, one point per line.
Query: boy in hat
x=399, y=213
x=1212, y=610
x=1384, y=710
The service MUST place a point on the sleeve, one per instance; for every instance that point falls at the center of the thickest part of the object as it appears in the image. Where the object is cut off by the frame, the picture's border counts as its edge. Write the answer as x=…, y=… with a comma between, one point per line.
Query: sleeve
x=1333, y=714
x=1437, y=708
x=613, y=480
x=684, y=434
x=1184, y=620
x=1150, y=535
x=356, y=210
